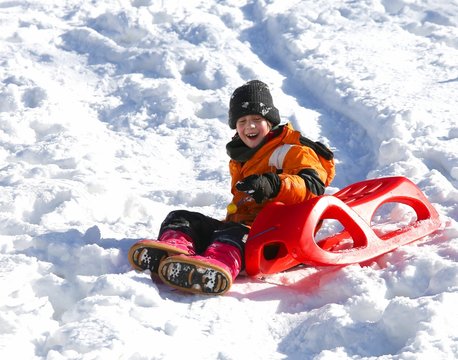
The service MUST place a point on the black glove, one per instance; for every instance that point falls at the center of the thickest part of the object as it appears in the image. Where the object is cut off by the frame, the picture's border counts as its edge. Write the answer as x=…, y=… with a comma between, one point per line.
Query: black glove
x=260, y=187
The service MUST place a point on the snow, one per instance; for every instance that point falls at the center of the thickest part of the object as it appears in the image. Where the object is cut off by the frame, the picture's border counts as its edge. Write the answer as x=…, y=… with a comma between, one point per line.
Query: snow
x=113, y=113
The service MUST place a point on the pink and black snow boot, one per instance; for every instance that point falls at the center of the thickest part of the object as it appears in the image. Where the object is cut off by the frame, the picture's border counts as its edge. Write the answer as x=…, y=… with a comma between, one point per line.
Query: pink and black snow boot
x=211, y=274
x=147, y=254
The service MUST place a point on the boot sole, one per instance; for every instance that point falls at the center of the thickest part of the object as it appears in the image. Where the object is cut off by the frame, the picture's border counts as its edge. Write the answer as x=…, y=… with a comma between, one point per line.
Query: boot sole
x=137, y=251
x=194, y=276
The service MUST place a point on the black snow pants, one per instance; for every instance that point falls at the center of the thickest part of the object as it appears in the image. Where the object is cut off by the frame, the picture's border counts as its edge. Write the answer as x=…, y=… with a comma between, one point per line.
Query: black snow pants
x=204, y=230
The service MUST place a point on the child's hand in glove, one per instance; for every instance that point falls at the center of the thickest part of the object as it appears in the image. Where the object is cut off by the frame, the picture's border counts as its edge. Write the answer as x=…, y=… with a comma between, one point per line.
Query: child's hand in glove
x=260, y=187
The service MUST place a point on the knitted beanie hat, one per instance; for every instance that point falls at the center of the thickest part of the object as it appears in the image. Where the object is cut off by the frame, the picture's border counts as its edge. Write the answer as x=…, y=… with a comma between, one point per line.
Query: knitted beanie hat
x=252, y=98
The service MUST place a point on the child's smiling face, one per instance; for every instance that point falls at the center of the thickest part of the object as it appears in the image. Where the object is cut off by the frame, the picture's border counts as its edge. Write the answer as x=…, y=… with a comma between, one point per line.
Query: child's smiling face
x=252, y=129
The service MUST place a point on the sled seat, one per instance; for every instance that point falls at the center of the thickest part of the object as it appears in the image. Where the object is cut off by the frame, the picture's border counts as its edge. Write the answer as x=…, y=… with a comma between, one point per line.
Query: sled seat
x=283, y=236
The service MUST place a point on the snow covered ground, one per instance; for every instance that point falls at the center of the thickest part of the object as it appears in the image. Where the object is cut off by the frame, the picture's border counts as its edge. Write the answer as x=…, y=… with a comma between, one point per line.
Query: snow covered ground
x=113, y=113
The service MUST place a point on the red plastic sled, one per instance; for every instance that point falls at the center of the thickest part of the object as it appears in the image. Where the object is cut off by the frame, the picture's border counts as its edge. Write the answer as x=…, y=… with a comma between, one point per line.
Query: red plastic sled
x=283, y=236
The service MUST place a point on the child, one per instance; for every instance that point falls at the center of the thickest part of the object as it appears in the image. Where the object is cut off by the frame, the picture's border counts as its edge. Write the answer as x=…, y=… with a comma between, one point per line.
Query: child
x=269, y=162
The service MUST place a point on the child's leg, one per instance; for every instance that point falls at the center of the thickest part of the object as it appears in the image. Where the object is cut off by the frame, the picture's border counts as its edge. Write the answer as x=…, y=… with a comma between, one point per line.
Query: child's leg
x=182, y=232
x=212, y=272
x=198, y=227
x=147, y=254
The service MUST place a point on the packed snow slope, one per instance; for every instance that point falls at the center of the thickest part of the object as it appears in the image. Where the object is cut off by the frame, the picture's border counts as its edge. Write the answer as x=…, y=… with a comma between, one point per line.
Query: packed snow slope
x=113, y=113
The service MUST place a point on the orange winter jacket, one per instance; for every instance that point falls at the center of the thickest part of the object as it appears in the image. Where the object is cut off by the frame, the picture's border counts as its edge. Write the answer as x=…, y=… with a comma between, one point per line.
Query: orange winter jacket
x=302, y=174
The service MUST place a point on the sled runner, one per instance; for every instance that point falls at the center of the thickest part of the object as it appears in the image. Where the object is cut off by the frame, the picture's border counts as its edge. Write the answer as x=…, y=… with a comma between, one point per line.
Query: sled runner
x=283, y=236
